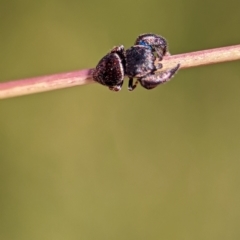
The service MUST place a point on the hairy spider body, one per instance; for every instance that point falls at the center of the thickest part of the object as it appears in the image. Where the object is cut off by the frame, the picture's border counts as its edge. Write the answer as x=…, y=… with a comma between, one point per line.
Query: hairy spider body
x=136, y=62
x=110, y=70
x=155, y=42
x=139, y=61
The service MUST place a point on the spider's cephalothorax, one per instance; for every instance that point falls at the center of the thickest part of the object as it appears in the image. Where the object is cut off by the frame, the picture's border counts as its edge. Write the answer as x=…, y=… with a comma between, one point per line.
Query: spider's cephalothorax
x=157, y=43
x=136, y=62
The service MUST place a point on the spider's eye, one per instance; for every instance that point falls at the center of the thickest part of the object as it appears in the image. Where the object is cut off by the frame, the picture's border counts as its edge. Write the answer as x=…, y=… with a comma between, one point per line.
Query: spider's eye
x=143, y=43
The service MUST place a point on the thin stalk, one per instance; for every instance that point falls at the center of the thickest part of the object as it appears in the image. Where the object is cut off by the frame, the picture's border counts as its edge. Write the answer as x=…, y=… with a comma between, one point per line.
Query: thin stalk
x=204, y=57
x=82, y=77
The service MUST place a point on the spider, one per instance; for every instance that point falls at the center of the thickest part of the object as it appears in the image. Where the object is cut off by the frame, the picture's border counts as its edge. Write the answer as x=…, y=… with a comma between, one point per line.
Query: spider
x=135, y=62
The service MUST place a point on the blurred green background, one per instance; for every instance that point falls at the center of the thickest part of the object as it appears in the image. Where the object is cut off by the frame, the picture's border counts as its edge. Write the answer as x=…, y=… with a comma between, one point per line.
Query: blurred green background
x=88, y=163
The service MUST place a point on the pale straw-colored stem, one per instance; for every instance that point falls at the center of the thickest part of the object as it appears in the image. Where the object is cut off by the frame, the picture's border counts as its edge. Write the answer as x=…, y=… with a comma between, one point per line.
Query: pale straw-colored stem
x=45, y=83
x=204, y=57
x=82, y=77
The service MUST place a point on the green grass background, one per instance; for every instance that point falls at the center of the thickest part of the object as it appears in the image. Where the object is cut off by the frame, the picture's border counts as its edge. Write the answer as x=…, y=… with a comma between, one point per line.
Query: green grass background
x=88, y=163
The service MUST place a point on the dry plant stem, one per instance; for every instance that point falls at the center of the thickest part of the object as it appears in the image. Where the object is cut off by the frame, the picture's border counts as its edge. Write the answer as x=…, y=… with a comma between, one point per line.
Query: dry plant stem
x=45, y=83
x=57, y=81
x=204, y=57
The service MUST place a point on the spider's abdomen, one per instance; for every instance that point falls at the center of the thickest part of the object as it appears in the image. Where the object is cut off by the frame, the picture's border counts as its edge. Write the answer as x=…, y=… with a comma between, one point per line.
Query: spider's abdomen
x=109, y=71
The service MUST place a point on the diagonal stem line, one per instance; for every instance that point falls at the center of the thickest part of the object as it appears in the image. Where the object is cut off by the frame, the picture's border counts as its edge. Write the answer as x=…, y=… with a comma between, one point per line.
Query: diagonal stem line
x=45, y=83
x=63, y=80
x=204, y=57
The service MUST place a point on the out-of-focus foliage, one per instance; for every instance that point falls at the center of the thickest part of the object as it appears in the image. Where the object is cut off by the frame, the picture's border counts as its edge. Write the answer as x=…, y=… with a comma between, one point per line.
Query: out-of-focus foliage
x=87, y=163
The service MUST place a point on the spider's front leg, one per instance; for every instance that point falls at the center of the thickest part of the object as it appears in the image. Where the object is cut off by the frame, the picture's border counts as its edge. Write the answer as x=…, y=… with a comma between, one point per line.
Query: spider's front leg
x=151, y=81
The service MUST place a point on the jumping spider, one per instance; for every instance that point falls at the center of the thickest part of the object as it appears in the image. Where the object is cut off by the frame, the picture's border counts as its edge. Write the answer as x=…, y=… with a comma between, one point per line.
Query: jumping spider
x=135, y=62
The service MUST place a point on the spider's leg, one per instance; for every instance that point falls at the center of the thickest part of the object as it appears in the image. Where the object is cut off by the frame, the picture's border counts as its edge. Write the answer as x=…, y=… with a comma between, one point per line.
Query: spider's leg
x=158, y=66
x=132, y=86
x=151, y=81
